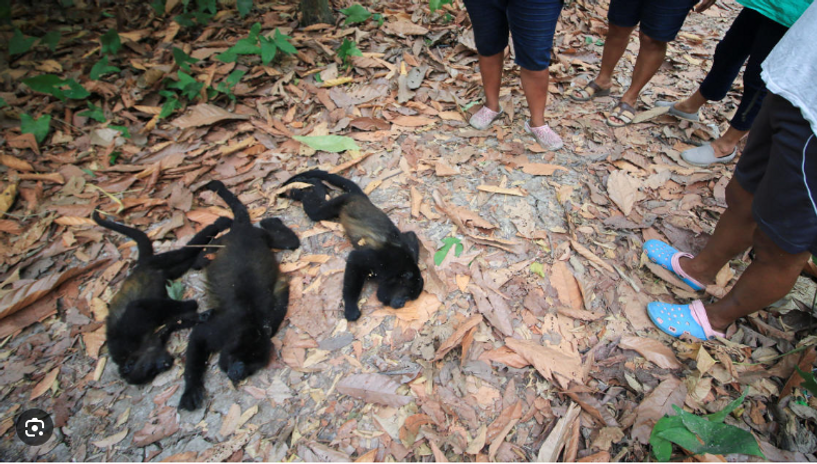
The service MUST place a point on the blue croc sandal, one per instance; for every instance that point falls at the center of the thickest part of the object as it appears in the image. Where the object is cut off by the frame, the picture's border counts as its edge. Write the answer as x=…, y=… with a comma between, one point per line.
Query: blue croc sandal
x=667, y=257
x=675, y=320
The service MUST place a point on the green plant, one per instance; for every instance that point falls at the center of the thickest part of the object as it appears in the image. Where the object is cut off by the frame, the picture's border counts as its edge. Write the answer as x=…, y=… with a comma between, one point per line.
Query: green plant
x=94, y=112
x=110, y=42
x=205, y=10
x=356, y=14
x=114, y=156
x=256, y=44
x=170, y=105
x=435, y=5
x=808, y=381
x=158, y=7
x=39, y=127
x=699, y=435
x=346, y=50
x=538, y=269
x=189, y=87
x=270, y=46
x=448, y=242
x=53, y=85
x=244, y=7
x=226, y=86
x=122, y=130
x=175, y=290
x=51, y=39
x=183, y=59
x=101, y=68
x=20, y=43
x=3, y=102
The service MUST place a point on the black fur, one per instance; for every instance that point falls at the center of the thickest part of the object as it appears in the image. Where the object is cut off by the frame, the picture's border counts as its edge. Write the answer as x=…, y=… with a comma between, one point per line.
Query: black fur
x=381, y=252
x=142, y=316
x=249, y=295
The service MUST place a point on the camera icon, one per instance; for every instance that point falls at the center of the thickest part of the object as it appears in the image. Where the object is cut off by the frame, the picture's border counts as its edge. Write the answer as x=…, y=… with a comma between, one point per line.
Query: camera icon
x=34, y=427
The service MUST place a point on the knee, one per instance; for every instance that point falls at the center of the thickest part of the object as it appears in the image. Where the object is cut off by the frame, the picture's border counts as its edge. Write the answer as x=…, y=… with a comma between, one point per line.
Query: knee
x=738, y=199
x=648, y=43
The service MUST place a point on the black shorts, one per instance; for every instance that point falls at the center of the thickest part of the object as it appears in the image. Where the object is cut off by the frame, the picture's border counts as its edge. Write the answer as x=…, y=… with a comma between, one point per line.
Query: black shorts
x=779, y=167
x=660, y=19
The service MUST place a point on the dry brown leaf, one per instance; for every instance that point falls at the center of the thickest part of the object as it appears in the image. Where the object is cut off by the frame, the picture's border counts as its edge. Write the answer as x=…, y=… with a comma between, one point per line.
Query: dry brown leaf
x=566, y=286
x=94, y=341
x=451, y=116
x=667, y=276
x=623, y=190
x=413, y=121
x=403, y=28
x=548, y=359
x=476, y=445
x=368, y=456
x=163, y=422
x=504, y=191
x=504, y=355
x=24, y=141
x=205, y=114
x=553, y=444
x=658, y=403
x=369, y=123
x=655, y=351
x=74, y=221
x=373, y=388
x=582, y=250
x=442, y=168
x=230, y=422
x=457, y=336
x=16, y=163
x=416, y=201
x=45, y=384
x=471, y=218
x=493, y=307
x=704, y=361
x=111, y=440
x=541, y=169
x=24, y=295
x=7, y=198
x=54, y=177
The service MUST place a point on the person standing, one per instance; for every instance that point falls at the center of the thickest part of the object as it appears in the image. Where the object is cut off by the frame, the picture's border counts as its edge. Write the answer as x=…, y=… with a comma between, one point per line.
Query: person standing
x=532, y=23
x=660, y=22
x=772, y=200
x=753, y=35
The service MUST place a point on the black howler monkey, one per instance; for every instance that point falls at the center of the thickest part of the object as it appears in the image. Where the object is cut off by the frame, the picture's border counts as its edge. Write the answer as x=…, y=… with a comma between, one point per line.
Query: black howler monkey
x=249, y=295
x=141, y=315
x=381, y=252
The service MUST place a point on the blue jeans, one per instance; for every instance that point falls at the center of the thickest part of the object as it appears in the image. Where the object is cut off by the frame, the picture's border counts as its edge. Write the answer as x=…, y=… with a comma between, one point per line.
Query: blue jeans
x=532, y=24
x=751, y=36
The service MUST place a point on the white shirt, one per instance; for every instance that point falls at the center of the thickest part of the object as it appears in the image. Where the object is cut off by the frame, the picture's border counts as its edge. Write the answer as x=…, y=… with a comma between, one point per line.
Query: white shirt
x=790, y=70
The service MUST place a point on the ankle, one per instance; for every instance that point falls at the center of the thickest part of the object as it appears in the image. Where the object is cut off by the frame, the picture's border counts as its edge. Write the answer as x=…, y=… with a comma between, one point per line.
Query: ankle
x=723, y=147
x=718, y=323
x=536, y=122
x=605, y=82
x=687, y=106
x=493, y=106
x=693, y=269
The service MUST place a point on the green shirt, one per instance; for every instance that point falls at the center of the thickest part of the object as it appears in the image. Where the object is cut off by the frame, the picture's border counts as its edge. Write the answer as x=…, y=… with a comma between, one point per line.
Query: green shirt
x=784, y=12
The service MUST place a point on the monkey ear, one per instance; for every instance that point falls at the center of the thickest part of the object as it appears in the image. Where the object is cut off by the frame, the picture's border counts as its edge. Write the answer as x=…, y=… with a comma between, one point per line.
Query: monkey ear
x=412, y=243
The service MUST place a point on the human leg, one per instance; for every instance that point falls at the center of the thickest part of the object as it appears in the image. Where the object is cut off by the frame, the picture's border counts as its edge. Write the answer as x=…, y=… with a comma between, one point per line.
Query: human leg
x=488, y=18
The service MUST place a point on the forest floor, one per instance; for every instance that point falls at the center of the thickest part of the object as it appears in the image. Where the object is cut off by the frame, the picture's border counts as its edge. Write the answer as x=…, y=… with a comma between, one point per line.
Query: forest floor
x=532, y=343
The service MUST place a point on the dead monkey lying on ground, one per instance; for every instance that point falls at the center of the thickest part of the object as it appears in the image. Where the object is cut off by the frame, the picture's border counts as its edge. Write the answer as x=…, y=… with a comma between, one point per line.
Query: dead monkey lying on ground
x=142, y=316
x=249, y=296
x=381, y=252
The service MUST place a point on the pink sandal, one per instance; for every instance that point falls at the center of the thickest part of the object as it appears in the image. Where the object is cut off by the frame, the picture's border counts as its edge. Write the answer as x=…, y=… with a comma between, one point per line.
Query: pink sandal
x=483, y=118
x=545, y=136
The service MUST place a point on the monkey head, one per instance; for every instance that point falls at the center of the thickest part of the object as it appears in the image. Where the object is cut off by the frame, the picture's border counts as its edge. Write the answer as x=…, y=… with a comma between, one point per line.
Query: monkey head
x=248, y=352
x=144, y=365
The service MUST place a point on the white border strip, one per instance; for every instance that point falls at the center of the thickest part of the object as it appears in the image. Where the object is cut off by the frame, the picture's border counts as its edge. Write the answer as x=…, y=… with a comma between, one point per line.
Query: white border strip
x=805, y=181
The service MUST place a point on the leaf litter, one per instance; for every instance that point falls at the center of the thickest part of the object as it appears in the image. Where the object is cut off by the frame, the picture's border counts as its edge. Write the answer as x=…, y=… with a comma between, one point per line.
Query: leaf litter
x=494, y=361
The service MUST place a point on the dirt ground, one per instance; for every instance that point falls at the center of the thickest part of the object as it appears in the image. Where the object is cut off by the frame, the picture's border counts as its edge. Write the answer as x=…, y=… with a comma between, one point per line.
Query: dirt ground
x=543, y=309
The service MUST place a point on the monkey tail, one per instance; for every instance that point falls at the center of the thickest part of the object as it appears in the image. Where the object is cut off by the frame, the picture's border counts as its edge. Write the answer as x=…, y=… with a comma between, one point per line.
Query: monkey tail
x=142, y=241
x=334, y=179
x=240, y=213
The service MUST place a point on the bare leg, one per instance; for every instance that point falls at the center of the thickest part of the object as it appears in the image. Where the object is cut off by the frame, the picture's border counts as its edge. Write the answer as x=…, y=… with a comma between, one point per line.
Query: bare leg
x=769, y=278
x=614, y=47
x=726, y=143
x=733, y=235
x=535, y=86
x=490, y=68
x=650, y=57
x=693, y=103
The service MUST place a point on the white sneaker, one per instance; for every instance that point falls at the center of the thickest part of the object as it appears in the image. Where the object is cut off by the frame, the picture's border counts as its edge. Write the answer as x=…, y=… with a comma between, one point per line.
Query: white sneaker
x=705, y=156
x=545, y=136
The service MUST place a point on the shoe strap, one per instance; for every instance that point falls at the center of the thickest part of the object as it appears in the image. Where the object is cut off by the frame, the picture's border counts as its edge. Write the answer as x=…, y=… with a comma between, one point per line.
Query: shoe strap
x=676, y=268
x=699, y=314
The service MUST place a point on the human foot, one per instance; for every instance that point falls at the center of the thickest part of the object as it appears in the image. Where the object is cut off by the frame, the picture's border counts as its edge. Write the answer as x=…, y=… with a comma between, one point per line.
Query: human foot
x=669, y=258
x=591, y=91
x=483, y=118
x=675, y=320
x=545, y=136
x=706, y=155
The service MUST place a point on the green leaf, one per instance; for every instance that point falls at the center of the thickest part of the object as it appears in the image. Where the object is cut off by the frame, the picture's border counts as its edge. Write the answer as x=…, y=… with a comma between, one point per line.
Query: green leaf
x=114, y=156
x=282, y=41
x=94, y=112
x=348, y=48
x=46, y=83
x=330, y=143
x=588, y=40
x=268, y=50
x=226, y=86
x=720, y=438
x=110, y=42
x=538, y=269
x=3, y=102
x=207, y=5
x=448, y=242
x=38, y=127
x=435, y=5
x=255, y=31
x=808, y=381
x=101, y=68
x=378, y=18
x=185, y=19
x=469, y=105
x=187, y=84
x=183, y=59
x=356, y=14
x=244, y=7
x=720, y=416
x=158, y=7
x=122, y=130
x=75, y=90
x=20, y=43
x=171, y=105
x=175, y=290
x=242, y=47
x=52, y=39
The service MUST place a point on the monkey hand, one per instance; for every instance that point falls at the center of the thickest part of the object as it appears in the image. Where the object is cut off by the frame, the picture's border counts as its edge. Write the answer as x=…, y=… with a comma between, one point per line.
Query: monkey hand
x=192, y=398
x=351, y=311
x=223, y=223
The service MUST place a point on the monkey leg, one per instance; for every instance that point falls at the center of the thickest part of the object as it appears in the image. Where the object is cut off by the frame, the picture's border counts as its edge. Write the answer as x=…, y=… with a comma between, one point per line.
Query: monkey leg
x=278, y=235
x=198, y=353
x=358, y=268
x=143, y=316
x=182, y=321
x=317, y=207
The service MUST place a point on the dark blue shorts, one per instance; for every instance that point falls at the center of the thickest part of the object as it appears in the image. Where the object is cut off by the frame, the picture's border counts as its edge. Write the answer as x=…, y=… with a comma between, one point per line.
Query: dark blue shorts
x=532, y=24
x=779, y=166
x=660, y=19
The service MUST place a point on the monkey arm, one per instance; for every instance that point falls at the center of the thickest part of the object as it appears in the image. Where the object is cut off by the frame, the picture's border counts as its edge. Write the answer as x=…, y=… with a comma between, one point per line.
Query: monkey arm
x=359, y=265
x=198, y=352
x=277, y=235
